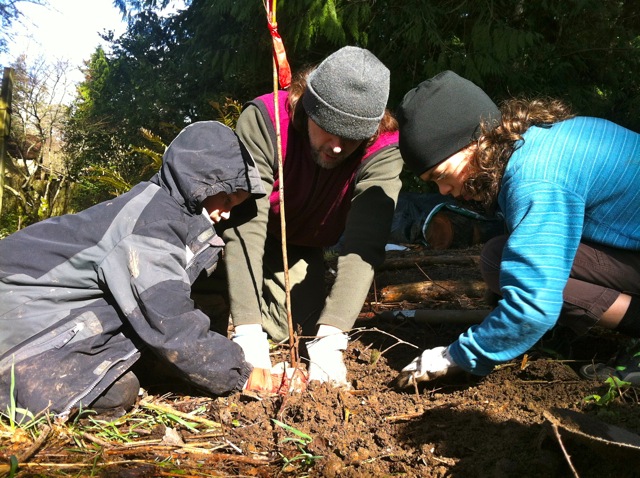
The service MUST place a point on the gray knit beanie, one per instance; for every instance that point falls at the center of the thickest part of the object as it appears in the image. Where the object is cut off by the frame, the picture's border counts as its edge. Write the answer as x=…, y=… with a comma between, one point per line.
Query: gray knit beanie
x=347, y=93
x=439, y=117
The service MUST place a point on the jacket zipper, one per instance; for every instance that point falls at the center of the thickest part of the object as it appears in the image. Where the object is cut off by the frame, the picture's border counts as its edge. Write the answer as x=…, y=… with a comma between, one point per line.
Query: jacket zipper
x=65, y=411
x=39, y=346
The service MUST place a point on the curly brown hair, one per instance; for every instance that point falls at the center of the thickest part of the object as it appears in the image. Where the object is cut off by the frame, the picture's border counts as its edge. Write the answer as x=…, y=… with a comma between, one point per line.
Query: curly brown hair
x=298, y=86
x=496, y=144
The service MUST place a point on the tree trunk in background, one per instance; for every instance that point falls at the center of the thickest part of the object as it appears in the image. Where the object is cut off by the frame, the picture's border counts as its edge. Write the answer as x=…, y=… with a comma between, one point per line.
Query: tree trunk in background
x=5, y=123
x=445, y=289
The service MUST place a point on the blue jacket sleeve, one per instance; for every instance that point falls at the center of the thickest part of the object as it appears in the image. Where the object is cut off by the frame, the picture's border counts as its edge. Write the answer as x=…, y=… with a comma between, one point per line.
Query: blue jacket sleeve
x=545, y=223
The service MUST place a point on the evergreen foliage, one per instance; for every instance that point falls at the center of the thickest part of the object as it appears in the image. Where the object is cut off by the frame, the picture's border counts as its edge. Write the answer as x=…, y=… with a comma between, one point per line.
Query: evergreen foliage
x=166, y=72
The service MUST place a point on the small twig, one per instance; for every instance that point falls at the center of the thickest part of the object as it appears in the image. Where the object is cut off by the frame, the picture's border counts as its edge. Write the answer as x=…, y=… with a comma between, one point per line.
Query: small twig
x=368, y=460
x=403, y=417
x=57, y=465
x=29, y=452
x=375, y=329
x=446, y=461
x=415, y=385
x=525, y=361
x=547, y=382
x=141, y=431
x=620, y=391
x=504, y=365
x=139, y=443
x=232, y=445
x=564, y=450
x=556, y=433
x=238, y=458
x=202, y=436
x=95, y=439
x=375, y=291
x=70, y=466
x=357, y=393
x=159, y=449
x=186, y=416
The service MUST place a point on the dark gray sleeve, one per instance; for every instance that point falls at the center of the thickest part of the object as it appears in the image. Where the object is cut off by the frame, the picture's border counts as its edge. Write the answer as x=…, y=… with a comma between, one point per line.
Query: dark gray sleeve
x=147, y=278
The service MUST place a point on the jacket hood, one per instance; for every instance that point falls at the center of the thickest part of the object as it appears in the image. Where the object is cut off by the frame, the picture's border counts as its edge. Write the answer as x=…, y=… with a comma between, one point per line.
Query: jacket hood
x=206, y=158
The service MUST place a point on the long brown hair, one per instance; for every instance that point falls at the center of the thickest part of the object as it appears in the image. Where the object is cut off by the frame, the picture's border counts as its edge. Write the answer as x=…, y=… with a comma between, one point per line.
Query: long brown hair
x=496, y=144
x=299, y=116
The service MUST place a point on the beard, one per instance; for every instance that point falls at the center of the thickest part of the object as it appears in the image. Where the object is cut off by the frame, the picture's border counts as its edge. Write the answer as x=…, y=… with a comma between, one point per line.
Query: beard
x=321, y=160
x=328, y=161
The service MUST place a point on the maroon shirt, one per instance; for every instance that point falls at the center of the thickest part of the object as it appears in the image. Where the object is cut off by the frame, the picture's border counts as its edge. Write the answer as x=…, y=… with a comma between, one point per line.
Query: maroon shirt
x=317, y=200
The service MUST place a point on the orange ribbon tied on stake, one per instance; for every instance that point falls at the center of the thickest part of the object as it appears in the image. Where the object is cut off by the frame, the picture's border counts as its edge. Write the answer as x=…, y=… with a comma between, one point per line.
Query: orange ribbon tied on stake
x=279, y=54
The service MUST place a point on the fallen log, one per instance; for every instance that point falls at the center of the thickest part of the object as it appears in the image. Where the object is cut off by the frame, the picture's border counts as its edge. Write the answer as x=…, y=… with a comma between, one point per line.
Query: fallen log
x=451, y=259
x=431, y=290
x=437, y=316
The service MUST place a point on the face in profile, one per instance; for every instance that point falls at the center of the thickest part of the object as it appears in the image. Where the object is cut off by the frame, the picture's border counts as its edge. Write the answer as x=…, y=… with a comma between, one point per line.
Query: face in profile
x=328, y=150
x=219, y=205
x=451, y=174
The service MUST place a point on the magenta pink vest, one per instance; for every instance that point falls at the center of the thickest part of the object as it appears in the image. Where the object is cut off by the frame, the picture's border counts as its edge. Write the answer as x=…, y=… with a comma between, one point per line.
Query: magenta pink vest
x=317, y=200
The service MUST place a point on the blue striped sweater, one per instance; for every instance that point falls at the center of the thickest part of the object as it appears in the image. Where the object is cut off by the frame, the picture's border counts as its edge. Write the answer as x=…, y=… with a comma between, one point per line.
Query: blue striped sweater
x=577, y=180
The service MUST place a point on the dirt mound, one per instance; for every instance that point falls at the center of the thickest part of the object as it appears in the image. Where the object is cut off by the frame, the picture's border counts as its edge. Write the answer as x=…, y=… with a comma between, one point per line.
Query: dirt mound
x=496, y=426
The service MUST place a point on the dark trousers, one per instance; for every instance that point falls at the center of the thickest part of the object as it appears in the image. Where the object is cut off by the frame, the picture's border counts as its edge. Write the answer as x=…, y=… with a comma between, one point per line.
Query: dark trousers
x=598, y=276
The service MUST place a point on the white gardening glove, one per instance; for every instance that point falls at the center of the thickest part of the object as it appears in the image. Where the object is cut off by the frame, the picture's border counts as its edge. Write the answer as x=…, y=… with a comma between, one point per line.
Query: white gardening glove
x=325, y=356
x=254, y=343
x=431, y=364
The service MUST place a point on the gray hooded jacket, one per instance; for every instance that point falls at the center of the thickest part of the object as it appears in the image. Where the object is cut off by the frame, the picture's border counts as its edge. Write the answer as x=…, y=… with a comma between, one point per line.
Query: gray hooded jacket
x=82, y=295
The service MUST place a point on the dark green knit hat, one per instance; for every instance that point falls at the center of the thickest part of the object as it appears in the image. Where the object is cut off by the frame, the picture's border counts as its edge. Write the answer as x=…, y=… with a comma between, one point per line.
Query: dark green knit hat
x=347, y=93
x=439, y=117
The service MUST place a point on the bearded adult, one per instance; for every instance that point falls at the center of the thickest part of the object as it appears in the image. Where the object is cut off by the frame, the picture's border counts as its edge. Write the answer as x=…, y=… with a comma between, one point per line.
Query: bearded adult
x=341, y=182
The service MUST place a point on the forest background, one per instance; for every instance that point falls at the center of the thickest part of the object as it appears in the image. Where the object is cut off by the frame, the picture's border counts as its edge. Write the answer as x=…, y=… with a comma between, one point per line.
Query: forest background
x=205, y=61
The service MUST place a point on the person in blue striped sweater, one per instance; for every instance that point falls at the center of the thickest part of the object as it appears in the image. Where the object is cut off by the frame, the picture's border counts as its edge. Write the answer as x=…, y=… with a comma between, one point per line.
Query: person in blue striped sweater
x=568, y=189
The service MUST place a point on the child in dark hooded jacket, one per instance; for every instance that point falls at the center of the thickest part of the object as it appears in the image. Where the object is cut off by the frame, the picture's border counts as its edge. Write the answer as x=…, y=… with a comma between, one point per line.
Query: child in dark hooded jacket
x=82, y=296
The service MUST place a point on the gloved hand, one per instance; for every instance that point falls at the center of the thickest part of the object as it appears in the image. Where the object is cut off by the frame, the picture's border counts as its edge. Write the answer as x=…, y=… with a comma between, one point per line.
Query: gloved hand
x=432, y=363
x=325, y=356
x=254, y=343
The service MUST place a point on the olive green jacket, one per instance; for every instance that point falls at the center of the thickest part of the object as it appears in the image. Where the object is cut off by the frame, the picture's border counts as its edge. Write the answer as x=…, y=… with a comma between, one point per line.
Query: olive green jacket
x=376, y=189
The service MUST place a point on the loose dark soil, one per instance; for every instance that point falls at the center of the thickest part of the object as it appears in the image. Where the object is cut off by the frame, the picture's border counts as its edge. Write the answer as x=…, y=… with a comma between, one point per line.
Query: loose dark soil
x=508, y=424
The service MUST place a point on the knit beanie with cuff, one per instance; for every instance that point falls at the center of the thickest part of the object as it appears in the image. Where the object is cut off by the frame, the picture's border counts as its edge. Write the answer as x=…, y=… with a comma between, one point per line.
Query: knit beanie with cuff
x=439, y=117
x=347, y=93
